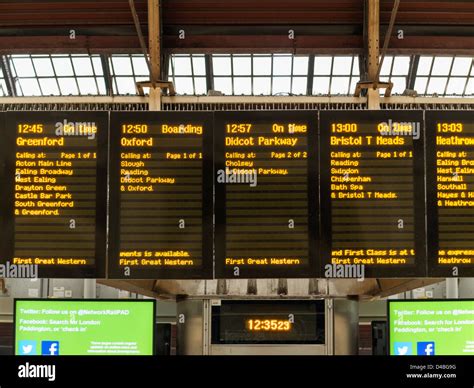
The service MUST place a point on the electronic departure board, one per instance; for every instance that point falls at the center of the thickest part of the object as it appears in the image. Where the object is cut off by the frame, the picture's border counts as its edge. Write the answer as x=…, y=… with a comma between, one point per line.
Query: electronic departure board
x=268, y=322
x=266, y=194
x=161, y=195
x=55, y=188
x=372, y=191
x=450, y=193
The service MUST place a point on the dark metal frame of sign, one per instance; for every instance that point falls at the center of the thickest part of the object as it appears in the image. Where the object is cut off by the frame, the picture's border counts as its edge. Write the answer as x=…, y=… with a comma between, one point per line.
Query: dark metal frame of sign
x=205, y=271
x=431, y=119
x=312, y=269
x=3, y=203
x=395, y=271
x=254, y=309
x=68, y=300
x=101, y=118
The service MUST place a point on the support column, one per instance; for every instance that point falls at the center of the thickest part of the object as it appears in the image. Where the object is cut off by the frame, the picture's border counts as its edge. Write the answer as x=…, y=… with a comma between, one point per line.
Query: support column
x=452, y=288
x=154, y=103
x=155, y=53
x=193, y=327
x=44, y=288
x=90, y=290
x=373, y=34
x=345, y=326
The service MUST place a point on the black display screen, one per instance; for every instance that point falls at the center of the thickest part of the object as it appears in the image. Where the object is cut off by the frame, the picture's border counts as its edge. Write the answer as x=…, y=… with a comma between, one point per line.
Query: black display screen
x=372, y=192
x=54, y=192
x=161, y=195
x=266, y=188
x=268, y=322
x=450, y=190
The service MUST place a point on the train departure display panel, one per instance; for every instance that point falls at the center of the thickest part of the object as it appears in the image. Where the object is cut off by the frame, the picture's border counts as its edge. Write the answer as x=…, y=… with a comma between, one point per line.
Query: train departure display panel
x=55, y=188
x=450, y=193
x=161, y=195
x=372, y=192
x=266, y=194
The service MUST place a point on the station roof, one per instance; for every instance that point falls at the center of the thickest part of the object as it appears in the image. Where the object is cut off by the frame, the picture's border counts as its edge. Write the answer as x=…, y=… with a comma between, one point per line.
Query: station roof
x=237, y=47
x=234, y=25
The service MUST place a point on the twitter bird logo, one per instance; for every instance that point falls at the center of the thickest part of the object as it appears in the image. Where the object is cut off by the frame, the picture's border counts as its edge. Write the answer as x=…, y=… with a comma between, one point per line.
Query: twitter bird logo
x=27, y=348
x=403, y=348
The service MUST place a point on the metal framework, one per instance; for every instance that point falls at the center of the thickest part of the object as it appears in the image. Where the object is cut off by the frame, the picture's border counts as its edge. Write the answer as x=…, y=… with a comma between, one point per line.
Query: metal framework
x=205, y=103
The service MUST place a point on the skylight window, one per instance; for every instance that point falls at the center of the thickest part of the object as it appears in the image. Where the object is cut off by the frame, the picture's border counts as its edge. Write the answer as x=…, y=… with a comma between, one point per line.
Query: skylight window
x=54, y=75
x=395, y=70
x=188, y=73
x=336, y=75
x=126, y=70
x=446, y=76
x=231, y=74
x=260, y=74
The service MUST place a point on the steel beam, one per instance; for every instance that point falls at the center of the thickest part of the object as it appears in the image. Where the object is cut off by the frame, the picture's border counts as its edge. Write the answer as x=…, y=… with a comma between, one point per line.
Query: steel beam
x=7, y=74
x=231, y=100
x=154, y=49
x=373, y=26
x=104, y=58
x=414, y=61
x=207, y=44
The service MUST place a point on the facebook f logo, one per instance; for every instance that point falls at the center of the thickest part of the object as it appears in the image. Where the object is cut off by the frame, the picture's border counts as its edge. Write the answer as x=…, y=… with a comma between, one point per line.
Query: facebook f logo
x=425, y=348
x=50, y=348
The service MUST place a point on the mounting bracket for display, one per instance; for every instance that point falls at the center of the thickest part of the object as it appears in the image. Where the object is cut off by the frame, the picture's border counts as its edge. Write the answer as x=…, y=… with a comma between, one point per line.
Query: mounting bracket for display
x=152, y=55
x=159, y=84
x=374, y=86
x=371, y=42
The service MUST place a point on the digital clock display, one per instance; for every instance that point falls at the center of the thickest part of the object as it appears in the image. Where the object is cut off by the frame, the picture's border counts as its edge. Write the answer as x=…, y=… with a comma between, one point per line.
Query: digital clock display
x=268, y=325
x=30, y=128
x=268, y=322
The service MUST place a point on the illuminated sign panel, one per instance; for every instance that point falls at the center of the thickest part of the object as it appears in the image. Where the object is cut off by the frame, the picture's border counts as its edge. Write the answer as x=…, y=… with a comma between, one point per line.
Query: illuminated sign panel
x=450, y=189
x=160, y=195
x=68, y=327
x=268, y=322
x=431, y=327
x=266, y=194
x=372, y=191
x=55, y=192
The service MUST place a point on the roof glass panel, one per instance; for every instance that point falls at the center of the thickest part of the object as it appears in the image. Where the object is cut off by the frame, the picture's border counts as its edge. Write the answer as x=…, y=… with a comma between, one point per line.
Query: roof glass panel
x=232, y=74
x=444, y=76
x=126, y=70
x=56, y=74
